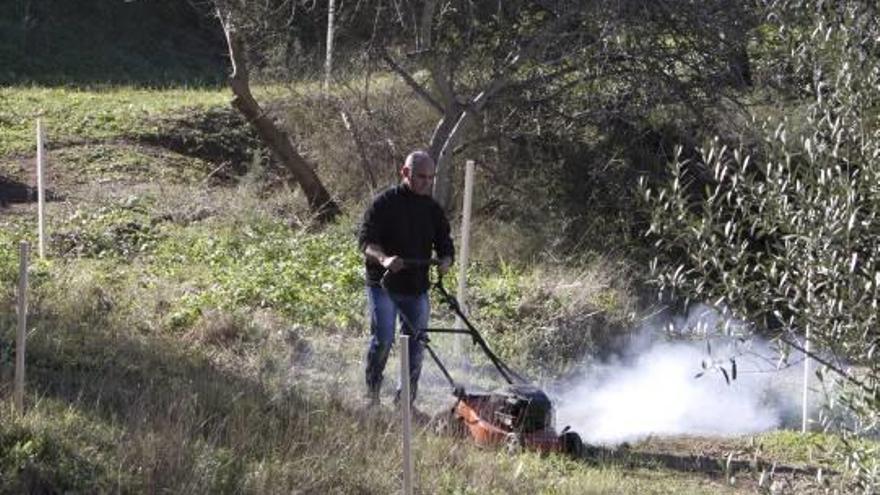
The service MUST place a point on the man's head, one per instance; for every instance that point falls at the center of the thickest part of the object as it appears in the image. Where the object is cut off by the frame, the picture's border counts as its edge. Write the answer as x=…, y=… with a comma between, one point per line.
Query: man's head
x=418, y=172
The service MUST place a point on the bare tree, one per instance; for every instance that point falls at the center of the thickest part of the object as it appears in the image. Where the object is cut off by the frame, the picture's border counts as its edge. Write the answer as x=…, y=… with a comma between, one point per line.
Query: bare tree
x=277, y=140
x=456, y=101
x=542, y=54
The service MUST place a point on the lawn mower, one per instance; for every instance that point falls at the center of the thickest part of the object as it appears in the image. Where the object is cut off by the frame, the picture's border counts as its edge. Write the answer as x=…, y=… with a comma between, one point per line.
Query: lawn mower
x=516, y=416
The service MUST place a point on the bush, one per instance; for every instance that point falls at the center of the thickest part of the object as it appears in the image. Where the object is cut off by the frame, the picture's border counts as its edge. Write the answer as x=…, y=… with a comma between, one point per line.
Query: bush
x=787, y=238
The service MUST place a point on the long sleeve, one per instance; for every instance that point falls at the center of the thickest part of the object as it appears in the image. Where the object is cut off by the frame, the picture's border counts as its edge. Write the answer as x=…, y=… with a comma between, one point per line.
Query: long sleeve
x=370, y=231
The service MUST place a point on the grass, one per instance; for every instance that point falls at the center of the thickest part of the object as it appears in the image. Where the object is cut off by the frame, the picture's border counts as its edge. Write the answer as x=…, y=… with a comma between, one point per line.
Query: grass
x=88, y=115
x=191, y=337
x=62, y=448
x=552, y=313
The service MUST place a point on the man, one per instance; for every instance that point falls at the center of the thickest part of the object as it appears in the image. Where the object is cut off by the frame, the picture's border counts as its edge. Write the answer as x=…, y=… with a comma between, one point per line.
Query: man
x=403, y=222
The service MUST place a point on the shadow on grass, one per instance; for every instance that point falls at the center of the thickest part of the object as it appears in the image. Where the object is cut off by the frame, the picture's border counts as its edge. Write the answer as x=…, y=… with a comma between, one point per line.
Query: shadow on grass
x=13, y=191
x=180, y=420
x=690, y=463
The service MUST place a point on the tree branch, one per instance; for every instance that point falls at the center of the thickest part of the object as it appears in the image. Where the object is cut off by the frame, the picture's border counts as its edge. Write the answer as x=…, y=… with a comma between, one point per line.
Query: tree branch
x=824, y=362
x=423, y=39
x=410, y=81
x=361, y=146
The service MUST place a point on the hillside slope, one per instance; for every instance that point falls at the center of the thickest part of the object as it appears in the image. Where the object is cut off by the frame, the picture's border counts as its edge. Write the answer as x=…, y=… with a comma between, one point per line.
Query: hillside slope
x=191, y=335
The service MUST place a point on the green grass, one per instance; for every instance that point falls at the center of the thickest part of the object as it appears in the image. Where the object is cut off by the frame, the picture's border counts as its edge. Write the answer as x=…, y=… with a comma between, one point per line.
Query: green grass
x=88, y=115
x=810, y=449
x=150, y=402
x=110, y=162
x=309, y=449
x=550, y=314
x=313, y=279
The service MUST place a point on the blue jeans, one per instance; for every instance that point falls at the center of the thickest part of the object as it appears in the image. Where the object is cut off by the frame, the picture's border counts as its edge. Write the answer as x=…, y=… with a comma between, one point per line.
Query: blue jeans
x=384, y=308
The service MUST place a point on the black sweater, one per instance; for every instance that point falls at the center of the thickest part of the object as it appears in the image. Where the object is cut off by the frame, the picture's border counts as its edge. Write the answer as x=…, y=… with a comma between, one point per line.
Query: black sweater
x=403, y=223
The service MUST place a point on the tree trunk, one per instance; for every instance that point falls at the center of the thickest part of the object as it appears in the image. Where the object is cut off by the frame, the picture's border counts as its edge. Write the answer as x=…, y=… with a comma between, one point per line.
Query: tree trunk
x=25, y=25
x=740, y=68
x=446, y=134
x=442, y=143
x=278, y=141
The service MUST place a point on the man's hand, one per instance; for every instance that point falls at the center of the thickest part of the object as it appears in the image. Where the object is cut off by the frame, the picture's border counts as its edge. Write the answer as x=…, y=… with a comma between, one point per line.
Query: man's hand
x=444, y=265
x=392, y=263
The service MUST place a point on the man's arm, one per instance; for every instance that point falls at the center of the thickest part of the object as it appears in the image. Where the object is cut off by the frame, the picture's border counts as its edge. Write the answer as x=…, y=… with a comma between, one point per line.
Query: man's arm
x=370, y=232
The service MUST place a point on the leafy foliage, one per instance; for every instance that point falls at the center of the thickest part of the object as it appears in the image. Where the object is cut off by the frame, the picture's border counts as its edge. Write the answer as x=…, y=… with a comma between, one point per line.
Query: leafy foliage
x=787, y=237
x=69, y=455
x=314, y=279
x=109, y=231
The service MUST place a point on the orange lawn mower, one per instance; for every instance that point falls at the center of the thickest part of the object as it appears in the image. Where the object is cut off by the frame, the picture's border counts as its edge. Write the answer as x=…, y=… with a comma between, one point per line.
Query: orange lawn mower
x=516, y=416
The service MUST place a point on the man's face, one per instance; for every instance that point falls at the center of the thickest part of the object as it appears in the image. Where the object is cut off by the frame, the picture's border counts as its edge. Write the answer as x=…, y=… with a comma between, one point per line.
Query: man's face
x=419, y=178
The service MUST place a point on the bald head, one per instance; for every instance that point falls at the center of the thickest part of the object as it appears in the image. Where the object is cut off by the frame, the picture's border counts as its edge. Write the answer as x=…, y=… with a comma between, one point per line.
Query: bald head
x=418, y=172
x=418, y=158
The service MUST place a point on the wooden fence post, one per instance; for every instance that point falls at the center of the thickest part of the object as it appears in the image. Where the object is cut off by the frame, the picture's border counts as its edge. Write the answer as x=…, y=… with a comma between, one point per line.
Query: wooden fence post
x=41, y=195
x=405, y=404
x=805, y=410
x=464, y=252
x=21, y=336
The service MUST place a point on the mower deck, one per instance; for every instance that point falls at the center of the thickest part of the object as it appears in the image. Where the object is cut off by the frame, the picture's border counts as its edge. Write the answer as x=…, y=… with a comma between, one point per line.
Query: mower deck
x=516, y=417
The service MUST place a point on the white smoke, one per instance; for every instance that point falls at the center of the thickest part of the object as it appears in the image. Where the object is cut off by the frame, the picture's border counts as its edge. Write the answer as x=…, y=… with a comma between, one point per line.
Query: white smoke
x=658, y=392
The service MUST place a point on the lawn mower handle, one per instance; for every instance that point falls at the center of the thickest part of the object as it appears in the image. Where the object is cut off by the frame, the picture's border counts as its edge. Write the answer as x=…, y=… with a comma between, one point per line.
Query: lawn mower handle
x=509, y=375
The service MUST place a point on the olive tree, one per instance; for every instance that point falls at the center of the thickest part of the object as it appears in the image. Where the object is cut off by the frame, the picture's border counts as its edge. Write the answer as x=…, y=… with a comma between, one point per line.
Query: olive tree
x=785, y=233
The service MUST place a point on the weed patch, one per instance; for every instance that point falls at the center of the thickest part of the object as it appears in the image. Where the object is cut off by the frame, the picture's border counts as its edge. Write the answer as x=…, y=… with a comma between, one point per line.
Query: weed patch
x=116, y=230
x=313, y=279
x=123, y=163
x=552, y=316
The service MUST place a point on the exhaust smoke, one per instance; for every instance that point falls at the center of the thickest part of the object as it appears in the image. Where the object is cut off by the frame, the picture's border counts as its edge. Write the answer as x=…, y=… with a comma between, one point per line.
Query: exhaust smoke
x=657, y=390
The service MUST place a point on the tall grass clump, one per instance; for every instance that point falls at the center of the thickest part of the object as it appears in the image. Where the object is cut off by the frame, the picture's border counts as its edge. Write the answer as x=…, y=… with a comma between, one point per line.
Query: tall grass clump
x=555, y=315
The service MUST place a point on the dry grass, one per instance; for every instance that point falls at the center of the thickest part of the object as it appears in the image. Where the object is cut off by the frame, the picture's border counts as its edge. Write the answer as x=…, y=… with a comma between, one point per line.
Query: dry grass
x=242, y=402
x=123, y=397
